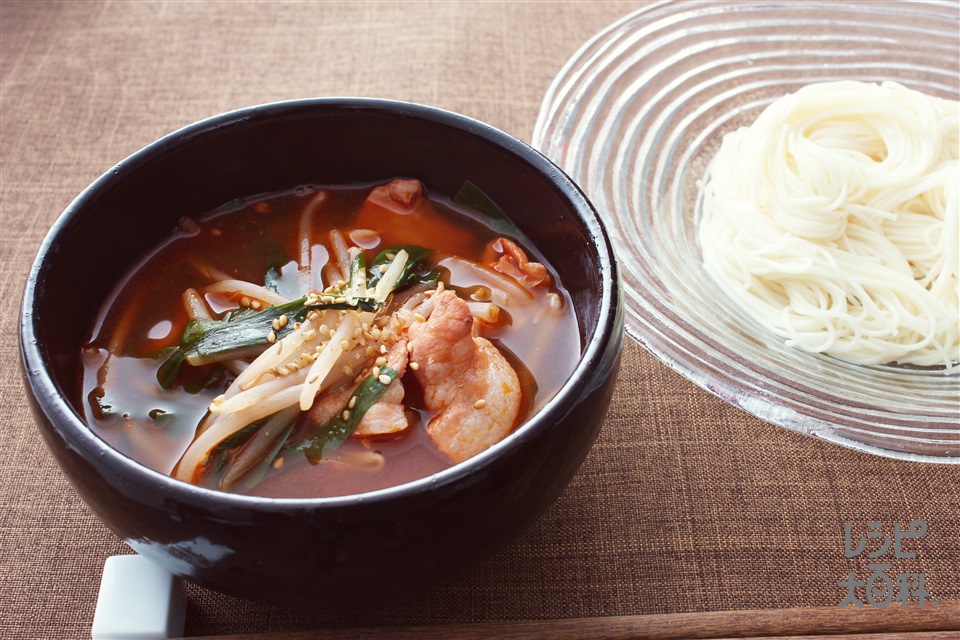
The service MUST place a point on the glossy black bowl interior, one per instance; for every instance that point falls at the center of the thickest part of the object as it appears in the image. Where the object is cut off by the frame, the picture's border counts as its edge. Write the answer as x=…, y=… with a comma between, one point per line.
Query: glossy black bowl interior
x=372, y=543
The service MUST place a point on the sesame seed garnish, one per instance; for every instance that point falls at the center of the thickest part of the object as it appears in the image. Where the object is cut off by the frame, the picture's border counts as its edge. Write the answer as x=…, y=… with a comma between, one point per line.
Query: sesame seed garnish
x=415, y=366
x=345, y=345
x=376, y=372
x=245, y=301
x=419, y=317
x=409, y=347
x=283, y=371
x=353, y=402
x=275, y=324
x=380, y=361
x=271, y=337
x=278, y=463
x=219, y=399
x=255, y=305
x=283, y=320
x=345, y=415
x=384, y=379
x=346, y=370
x=480, y=404
x=309, y=335
x=313, y=378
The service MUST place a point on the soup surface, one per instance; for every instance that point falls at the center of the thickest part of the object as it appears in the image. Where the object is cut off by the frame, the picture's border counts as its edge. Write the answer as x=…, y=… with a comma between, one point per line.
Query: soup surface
x=328, y=341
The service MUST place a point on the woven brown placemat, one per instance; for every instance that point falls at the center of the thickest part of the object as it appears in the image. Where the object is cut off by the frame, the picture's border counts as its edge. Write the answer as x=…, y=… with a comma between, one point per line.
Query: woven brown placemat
x=684, y=504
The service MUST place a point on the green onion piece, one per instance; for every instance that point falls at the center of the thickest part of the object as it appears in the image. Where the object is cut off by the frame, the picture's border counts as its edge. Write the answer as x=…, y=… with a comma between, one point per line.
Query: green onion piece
x=240, y=330
x=415, y=255
x=336, y=430
x=358, y=265
x=473, y=198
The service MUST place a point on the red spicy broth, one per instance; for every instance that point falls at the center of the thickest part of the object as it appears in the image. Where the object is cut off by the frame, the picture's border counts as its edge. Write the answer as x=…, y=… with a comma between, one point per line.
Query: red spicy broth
x=258, y=239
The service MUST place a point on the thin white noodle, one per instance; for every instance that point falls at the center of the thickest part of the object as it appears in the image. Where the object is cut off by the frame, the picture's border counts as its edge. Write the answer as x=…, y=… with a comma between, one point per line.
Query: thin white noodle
x=833, y=221
x=221, y=429
x=305, y=243
x=342, y=340
x=504, y=290
x=391, y=275
x=340, y=252
x=248, y=397
x=243, y=288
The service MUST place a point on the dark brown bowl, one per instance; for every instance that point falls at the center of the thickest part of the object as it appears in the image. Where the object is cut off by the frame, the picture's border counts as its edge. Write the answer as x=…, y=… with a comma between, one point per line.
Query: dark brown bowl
x=295, y=549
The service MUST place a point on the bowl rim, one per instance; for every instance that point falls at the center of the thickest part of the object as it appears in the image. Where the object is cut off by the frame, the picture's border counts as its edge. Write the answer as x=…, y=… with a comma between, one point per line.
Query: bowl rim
x=70, y=426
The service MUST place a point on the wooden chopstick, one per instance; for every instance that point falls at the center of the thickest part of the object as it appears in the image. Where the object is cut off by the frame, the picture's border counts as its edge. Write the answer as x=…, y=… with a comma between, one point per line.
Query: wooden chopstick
x=936, y=622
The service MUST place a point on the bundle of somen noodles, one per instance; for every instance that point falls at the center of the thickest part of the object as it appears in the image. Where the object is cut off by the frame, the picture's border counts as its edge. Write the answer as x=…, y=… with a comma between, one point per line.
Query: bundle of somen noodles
x=833, y=221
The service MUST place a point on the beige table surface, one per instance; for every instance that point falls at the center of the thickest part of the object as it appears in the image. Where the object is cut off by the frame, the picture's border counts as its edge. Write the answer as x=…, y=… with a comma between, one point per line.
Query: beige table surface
x=685, y=503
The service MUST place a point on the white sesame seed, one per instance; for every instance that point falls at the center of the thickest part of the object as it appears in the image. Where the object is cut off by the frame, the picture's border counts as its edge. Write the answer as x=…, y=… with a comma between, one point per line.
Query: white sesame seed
x=384, y=379
x=271, y=337
x=415, y=366
x=480, y=404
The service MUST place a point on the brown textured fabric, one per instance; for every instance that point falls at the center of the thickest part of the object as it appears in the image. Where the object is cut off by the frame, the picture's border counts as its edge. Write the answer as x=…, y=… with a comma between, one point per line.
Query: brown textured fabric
x=685, y=503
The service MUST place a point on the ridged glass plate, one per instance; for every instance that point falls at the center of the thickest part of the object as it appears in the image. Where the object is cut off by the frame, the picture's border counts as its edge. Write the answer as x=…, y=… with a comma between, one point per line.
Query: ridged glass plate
x=635, y=116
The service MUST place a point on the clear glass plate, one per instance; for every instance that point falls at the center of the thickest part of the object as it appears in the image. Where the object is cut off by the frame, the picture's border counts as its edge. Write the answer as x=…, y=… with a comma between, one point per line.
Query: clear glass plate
x=635, y=116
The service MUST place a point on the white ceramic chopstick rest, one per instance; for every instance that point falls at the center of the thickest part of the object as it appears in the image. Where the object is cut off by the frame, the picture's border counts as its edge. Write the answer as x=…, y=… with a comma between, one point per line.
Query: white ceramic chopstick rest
x=138, y=601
